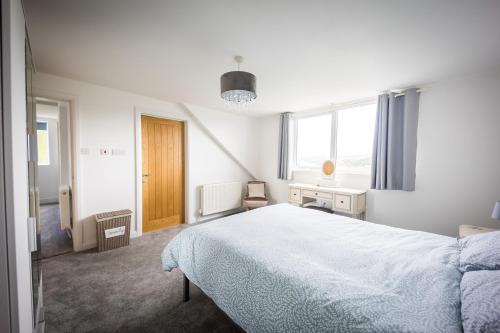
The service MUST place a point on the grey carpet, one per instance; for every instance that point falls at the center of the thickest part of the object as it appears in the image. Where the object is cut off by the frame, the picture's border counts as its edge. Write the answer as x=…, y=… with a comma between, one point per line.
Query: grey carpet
x=125, y=290
x=54, y=241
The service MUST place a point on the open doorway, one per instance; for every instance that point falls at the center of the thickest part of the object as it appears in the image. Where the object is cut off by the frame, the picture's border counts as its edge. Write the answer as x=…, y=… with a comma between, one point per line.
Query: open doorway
x=54, y=175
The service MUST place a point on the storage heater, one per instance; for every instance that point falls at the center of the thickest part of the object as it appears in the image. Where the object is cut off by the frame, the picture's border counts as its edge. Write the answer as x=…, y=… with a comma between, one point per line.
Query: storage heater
x=216, y=198
x=65, y=207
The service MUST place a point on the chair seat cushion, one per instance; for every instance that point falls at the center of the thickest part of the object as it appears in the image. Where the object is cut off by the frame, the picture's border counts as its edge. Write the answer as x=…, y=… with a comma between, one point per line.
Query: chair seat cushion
x=254, y=203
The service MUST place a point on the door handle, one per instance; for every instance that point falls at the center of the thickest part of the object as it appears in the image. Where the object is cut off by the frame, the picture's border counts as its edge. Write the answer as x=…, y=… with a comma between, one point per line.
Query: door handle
x=145, y=174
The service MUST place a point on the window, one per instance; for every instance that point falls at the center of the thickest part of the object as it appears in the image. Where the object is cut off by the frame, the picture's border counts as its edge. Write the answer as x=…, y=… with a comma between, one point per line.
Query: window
x=42, y=133
x=344, y=136
x=355, y=131
x=313, y=138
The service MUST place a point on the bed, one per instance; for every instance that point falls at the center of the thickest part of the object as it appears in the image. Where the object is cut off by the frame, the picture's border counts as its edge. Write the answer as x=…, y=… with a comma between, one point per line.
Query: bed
x=283, y=268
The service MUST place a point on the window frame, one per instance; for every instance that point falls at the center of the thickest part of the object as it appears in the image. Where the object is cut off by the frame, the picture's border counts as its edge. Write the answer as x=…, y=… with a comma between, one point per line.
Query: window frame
x=334, y=111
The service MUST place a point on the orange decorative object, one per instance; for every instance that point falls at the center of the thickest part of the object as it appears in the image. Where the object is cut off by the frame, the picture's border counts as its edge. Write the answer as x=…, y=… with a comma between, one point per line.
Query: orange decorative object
x=328, y=168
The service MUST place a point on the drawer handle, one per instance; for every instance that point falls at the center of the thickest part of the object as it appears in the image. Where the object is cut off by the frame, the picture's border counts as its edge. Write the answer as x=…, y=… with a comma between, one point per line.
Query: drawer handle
x=316, y=193
x=341, y=201
x=295, y=194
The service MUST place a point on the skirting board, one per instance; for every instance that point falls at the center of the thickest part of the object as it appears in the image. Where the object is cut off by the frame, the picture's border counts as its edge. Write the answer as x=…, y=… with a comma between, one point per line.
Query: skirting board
x=218, y=215
x=91, y=245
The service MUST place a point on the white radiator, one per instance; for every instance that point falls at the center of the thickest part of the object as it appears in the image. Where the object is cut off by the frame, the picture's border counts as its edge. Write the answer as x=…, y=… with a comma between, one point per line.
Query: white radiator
x=65, y=206
x=216, y=198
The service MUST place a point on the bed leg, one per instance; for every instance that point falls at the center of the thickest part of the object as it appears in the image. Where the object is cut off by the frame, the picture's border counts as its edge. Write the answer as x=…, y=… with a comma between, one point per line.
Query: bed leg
x=185, y=287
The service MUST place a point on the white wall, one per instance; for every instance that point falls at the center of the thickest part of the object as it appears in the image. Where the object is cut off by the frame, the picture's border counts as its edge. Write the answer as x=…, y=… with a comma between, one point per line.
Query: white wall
x=16, y=181
x=236, y=131
x=268, y=159
x=105, y=118
x=458, y=160
x=48, y=175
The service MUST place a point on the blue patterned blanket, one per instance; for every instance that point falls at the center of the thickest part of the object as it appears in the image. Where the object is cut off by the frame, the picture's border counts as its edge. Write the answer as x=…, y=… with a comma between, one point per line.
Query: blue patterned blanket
x=287, y=269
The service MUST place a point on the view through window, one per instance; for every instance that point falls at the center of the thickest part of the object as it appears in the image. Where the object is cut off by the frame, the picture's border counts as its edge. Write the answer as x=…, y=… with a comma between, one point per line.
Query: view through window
x=313, y=141
x=355, y=131
x=352, y=132
x=42, y=132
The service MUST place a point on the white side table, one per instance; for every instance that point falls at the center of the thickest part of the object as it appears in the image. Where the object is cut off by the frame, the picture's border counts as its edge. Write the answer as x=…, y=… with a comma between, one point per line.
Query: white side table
x=467, y=230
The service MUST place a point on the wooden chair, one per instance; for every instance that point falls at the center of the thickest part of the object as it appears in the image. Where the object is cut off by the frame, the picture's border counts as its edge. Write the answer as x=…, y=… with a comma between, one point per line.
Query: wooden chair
x=256, y=195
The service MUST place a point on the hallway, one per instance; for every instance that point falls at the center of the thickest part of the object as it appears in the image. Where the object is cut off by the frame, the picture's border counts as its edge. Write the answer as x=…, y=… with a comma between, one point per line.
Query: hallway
x=54, y=241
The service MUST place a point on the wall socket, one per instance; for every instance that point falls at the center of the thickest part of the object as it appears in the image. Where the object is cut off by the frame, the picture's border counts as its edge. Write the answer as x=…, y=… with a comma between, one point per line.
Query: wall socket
x=104, y=152
x=117, y=152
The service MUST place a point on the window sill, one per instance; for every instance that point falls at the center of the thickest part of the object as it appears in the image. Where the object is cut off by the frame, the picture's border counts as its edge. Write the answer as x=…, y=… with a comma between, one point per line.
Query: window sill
x=306, y=170
x=343, y=173
x=336, y=173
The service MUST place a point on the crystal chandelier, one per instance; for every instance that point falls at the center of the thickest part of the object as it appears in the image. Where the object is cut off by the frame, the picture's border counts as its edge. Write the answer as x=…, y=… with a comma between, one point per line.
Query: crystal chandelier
x=238, y=87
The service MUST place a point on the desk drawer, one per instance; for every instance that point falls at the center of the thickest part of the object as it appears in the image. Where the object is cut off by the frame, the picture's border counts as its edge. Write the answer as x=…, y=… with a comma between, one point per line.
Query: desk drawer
x=294, y=194
x=342, y=202
x=317, y=194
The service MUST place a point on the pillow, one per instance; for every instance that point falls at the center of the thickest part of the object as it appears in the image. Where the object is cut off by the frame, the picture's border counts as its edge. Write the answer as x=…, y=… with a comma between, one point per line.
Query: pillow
x=256, y=190
x=481, y=301
x=481, y=251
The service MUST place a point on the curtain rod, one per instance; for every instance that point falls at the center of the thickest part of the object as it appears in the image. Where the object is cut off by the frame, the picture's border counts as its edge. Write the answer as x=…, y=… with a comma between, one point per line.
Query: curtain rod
x=402, y=91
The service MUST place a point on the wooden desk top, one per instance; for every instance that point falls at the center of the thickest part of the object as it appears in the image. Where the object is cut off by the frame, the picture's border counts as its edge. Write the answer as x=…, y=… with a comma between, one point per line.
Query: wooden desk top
x=327, y=189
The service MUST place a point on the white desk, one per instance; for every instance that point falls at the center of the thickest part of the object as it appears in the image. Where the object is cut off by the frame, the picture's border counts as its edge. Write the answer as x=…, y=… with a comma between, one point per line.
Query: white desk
x=344, y=200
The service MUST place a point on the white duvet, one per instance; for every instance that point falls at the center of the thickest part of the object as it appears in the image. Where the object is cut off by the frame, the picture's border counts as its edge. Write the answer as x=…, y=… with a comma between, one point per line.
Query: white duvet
x=287, y=269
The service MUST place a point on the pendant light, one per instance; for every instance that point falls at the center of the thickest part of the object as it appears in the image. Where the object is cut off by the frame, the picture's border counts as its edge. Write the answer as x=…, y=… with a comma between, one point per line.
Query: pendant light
x=238, y=87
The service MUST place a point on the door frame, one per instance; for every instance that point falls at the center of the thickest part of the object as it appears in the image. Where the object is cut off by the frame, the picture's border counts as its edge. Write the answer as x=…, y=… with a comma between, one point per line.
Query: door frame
x=76, y=183
x=138, y=161
x=5, y=297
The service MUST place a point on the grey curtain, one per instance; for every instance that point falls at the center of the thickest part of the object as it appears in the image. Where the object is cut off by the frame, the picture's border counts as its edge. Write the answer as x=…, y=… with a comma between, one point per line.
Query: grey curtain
x=284, y=146
x=395, y=142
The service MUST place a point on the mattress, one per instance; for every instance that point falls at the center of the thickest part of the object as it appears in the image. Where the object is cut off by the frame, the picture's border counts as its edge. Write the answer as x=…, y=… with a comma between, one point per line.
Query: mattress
x=283, y=268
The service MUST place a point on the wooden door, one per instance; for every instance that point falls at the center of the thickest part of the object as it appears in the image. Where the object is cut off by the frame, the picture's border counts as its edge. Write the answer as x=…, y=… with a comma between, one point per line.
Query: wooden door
x=162, y=173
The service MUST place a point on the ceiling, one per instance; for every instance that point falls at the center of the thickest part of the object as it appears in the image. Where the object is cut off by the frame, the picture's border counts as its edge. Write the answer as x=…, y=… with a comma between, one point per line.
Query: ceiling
x=305, y=54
